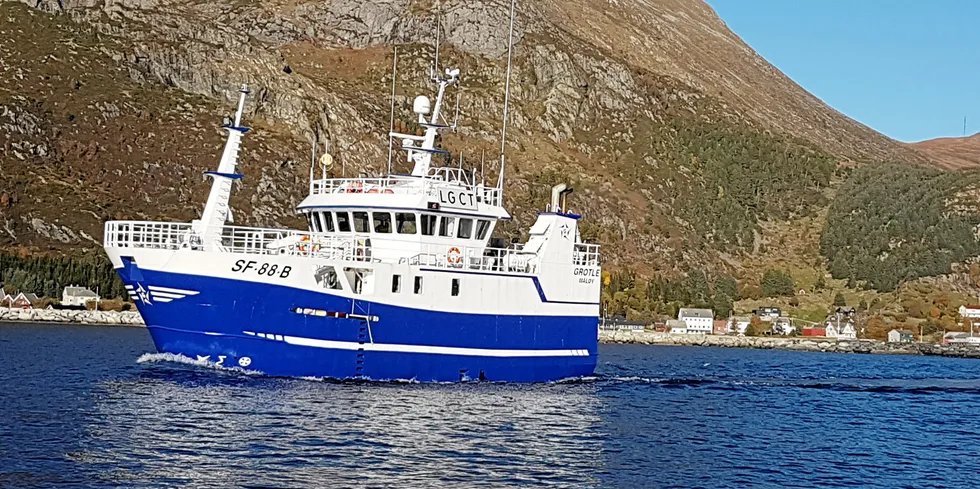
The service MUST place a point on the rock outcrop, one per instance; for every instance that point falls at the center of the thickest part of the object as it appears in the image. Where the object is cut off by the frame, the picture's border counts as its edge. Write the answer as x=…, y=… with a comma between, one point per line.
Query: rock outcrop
x=789, y=343
x=128, y=318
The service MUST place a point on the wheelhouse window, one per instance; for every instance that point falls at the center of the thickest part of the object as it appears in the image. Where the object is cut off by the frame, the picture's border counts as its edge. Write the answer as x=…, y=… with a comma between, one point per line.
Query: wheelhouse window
x=343, y=222
x=360, y=222
x=428, y=225
x=326, y=219
x=465, y=230
x=382, y=222
x=482, y=227
x=447, y=226
x=314, y=222
x=405, y=223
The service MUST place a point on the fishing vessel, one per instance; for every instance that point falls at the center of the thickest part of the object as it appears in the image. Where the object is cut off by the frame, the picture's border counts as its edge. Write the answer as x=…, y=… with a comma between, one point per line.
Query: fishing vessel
x=397, y=277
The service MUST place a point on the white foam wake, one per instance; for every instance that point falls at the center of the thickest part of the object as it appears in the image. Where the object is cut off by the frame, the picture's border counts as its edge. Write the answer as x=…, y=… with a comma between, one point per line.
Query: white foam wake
x=178, y=358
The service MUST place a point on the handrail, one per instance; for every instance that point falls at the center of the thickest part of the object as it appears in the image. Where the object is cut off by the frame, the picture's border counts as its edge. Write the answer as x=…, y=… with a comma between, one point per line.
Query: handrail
x=236, y=239
x=443, y=178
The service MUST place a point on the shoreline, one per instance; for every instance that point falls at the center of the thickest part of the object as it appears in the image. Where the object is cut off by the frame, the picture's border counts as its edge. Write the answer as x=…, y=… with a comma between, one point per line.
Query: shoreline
x=62, y=316
x=826, y=345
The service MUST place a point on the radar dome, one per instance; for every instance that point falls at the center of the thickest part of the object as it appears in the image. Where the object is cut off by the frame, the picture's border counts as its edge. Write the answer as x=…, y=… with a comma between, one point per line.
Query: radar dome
x=422, y=105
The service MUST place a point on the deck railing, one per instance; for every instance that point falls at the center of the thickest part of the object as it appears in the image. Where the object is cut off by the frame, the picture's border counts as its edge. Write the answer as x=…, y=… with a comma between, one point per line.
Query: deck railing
x=235, y=239
x=429, y=185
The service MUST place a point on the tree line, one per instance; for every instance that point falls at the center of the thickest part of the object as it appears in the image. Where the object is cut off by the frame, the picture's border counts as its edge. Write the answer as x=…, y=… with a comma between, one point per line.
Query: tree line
x=49, y=275
x=892, y=223
x=639, y=299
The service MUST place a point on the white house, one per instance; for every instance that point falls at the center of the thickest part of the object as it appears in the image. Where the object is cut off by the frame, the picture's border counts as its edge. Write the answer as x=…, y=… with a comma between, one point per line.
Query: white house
x=77, y=296
x=698, y=321
x=677, y=326
x=900, y=336
x=847, y=332
x=739, y=324
x=970, y=311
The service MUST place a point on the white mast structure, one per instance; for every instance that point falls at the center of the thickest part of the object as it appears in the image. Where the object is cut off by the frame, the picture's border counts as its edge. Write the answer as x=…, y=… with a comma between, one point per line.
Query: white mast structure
x=421, y=154
x=217, y=211
x=503, y=132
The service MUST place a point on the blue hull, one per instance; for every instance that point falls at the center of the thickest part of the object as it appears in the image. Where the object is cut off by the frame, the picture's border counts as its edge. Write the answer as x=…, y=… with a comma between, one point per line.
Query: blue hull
x=256, y=326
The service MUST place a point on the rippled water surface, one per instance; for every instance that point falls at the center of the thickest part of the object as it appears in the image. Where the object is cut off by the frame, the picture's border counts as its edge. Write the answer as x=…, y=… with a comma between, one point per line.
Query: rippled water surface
x=86, y=406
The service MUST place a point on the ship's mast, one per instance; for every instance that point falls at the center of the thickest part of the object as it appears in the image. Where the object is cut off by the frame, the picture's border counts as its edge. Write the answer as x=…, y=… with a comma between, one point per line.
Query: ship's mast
x=503, y=132
x=216, y=211
x=422, y=152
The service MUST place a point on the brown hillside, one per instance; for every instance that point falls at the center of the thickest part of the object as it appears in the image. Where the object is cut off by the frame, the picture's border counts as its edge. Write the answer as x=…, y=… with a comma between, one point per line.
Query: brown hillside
x=952, y=153
x=671, y=129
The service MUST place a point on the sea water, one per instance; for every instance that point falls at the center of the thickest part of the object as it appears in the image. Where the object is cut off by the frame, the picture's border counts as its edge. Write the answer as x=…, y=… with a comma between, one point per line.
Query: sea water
x=84, y=406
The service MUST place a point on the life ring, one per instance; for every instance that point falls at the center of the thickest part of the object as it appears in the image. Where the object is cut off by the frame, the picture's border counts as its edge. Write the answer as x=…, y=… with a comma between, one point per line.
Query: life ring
x=454, y=257
x=303, y=247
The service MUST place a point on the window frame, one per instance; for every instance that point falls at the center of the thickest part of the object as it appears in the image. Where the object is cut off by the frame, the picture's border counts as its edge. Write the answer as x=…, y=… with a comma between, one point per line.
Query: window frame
x=348, y=222
x=396, y=284
x=366, y=220
x=468, y=226
x=375, y=222
x=400, y=223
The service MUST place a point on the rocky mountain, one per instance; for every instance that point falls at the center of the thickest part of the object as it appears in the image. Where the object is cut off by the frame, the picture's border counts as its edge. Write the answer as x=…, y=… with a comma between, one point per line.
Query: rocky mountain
x=681, y=141
x=952, y=153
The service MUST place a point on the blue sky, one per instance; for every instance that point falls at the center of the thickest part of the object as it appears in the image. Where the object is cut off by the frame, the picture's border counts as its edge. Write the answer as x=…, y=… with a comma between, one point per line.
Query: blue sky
x=909, y=69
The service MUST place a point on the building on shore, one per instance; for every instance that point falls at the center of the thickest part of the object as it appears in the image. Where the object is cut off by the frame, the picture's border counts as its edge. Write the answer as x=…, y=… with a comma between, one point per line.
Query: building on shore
x=698, y=321
x=955, y=337
x=23, y=301
x=900, y=336
x=768, y=314
x=676, y=326
x=738, y=324
x=77, y=296
x=815, y=332
x=620, y=323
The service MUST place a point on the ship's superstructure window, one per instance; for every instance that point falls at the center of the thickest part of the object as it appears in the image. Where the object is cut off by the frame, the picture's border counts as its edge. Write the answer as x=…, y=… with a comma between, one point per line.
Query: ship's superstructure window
x=446, y=226
x=314, y=222
x=482, y=226
x=360, y=222
x=396, y=284
x=418, y=285
x=405, y=223
x=382, y=222
x=327, y=218
x=428, y=225
x=343, y=222
x=465, y=229
x=455, y=287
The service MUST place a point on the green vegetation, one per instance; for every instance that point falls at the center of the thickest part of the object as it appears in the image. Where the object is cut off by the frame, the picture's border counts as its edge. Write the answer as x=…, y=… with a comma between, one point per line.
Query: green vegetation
x=740, y=176
x=778, y=283
x=48, y=276
x=893, y=223
x=623, y=294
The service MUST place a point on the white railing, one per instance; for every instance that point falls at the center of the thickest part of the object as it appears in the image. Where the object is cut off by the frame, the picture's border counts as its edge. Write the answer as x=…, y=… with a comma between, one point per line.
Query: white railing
x=235, y=239
x=441, y=178
x=511, y=260
x=586, y=254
